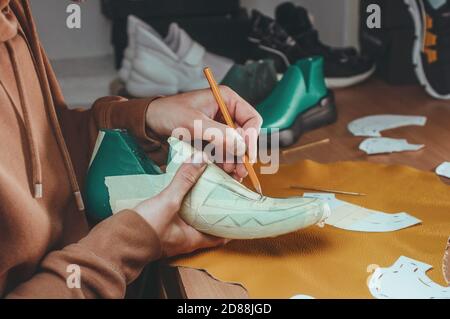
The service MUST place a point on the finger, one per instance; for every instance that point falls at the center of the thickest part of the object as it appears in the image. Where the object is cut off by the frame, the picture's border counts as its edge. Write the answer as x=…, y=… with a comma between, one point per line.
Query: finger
x=231, y=170
x=240, y=110
x=241, y=171
x=246, y=117
x=225, y=139
x=250, y=135
x=237, y=177
x=185, y=178
x=229, y=167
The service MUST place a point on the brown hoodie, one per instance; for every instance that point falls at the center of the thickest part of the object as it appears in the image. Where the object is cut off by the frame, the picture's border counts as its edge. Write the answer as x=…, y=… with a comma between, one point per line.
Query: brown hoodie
x=45, y=149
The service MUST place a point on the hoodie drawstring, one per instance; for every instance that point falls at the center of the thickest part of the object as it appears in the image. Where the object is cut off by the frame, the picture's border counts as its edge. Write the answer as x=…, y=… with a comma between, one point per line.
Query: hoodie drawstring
x=35, y=48
x=51, y=108
x=36, y=167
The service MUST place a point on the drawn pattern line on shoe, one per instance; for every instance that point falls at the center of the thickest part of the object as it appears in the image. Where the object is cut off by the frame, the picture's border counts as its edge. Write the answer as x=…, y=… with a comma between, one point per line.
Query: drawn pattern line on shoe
x=263, y=223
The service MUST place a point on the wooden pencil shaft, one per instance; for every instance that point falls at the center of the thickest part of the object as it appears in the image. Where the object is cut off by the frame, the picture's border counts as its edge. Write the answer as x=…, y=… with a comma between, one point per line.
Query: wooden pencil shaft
x=216, y=92
x=229, y=121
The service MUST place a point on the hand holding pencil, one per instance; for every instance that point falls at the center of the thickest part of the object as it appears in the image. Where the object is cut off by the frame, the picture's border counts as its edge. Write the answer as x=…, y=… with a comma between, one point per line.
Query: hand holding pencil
x=229, y=121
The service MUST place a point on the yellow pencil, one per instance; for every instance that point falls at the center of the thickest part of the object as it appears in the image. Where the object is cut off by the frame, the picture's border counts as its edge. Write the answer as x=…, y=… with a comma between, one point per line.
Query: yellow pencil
x=226, y=115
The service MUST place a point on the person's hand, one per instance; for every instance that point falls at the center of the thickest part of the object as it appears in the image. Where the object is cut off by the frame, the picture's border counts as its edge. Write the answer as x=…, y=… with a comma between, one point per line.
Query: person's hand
x=167, y=114
x=161, y=212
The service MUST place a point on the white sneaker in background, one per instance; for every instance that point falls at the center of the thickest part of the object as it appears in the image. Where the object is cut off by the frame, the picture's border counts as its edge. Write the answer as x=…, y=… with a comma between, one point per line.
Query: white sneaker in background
x=132, y=25
x=156, y=66
x=181, y=42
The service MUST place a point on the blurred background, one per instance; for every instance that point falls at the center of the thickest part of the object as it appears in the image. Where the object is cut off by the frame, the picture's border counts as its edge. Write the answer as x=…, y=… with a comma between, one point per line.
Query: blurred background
x=84, y=59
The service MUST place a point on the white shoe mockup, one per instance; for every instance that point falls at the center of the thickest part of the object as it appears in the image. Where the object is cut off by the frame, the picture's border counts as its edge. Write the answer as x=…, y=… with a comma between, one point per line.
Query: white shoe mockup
x=219, y=205
x=156, y=66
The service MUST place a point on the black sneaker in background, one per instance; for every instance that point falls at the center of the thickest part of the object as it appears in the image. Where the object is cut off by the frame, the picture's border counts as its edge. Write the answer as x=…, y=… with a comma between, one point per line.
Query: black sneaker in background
x=431, y=52
x=270, y=41
x=343, y=66
x=296, y=21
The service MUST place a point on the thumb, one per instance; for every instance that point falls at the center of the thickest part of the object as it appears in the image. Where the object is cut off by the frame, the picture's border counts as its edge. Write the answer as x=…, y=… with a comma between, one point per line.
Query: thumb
x=186, y=177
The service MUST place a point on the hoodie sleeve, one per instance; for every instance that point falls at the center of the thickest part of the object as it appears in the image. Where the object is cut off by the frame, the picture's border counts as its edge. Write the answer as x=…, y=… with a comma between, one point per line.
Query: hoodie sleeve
x=80, y=127
x=109, y=256
x=118, y=112
x=103, y=272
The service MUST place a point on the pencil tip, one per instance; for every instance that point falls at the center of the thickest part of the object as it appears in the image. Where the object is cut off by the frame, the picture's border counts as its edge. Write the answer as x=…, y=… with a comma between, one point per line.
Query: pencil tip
x=259, y=190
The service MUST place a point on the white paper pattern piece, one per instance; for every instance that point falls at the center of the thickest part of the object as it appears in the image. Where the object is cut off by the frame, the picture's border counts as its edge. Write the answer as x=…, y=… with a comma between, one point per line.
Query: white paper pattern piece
x=381, y=145
x=219, y=205
x=302, y=297
x=443, y=169
x=374, y=124
x=356, y=218
x=406, y=279
x=446, y=263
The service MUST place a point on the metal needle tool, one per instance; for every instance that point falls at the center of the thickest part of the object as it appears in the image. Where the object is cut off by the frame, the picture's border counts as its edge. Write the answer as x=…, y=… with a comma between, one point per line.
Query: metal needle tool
x=326, y=190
